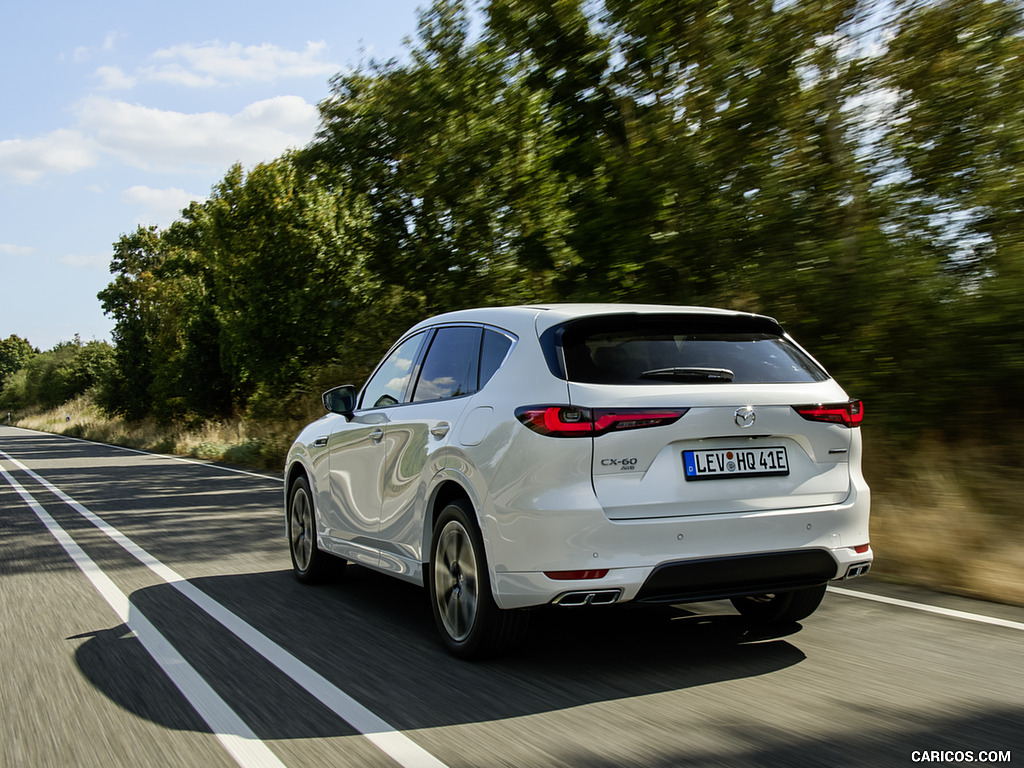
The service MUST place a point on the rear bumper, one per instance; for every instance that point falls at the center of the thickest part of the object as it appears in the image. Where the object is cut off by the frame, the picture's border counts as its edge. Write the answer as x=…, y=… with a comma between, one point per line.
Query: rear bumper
x=689, y=581
x=685, y=559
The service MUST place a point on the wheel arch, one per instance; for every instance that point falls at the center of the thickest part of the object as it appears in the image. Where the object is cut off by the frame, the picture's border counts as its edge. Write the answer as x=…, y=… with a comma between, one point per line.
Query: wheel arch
x=449, y=487
x=491, y=630
x=294, y=471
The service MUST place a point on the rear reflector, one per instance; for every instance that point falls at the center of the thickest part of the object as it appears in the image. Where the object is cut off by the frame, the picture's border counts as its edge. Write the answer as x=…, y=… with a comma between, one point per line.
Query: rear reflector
x=849, y=414
x=570, y=421
x=861, y=549
x=598, y=573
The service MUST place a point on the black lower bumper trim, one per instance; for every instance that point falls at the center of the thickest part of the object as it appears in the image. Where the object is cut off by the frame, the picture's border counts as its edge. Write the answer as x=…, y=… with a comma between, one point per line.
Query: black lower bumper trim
x=716, y=578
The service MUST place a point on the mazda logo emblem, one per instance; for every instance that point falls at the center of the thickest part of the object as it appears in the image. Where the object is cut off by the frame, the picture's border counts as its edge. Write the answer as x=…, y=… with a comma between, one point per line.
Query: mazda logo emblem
x=745, y=417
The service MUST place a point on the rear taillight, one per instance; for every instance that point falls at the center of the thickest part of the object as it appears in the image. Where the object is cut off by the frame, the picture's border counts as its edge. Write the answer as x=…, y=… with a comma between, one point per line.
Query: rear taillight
x=597, y=573
x=849, y=414
x=570, y=421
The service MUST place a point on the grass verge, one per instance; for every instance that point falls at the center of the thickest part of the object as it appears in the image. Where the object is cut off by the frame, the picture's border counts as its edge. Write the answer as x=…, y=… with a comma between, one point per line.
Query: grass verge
x=947, y=516
x=245, y=442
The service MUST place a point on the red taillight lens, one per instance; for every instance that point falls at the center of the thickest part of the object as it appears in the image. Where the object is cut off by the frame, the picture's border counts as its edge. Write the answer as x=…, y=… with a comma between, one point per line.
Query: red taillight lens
x=557, y=420
x=862, y=549
x=597, y=573
x=849, y=414
x=570, y=421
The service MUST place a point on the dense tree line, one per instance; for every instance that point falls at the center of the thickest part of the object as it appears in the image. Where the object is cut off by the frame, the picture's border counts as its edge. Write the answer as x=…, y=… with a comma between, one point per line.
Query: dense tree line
x=51, y=378
x=854, y=168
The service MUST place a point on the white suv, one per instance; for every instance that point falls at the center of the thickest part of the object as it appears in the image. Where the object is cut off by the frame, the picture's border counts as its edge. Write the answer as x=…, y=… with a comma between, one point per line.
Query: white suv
x=583, y=455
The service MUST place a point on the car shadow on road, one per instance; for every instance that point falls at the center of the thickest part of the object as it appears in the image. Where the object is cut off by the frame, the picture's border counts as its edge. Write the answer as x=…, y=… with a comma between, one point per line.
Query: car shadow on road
x=374, y=638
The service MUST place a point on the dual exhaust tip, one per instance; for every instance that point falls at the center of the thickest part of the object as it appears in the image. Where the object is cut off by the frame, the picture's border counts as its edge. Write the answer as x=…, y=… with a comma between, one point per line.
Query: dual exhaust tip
x=857, y=569
x=591, y=597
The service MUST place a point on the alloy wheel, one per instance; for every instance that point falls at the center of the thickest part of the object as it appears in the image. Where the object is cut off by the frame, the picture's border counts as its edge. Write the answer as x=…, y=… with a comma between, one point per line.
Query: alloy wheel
x=301, y=530
x=455, y=581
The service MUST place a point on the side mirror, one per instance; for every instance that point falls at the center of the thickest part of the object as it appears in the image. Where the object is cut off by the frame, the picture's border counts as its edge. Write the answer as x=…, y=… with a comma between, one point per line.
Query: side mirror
x=340, y=400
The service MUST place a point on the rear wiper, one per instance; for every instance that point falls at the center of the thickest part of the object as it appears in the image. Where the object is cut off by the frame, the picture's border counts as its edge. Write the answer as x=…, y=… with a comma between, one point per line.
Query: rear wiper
x=689, y=374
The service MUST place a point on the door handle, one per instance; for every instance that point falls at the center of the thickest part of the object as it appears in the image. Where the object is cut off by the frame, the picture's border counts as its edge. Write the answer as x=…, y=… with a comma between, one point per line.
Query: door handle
x=376, y=436
x=440, y=429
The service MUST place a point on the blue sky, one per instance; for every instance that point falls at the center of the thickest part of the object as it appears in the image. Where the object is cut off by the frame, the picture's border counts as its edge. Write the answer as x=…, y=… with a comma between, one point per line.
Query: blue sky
x=117, y=114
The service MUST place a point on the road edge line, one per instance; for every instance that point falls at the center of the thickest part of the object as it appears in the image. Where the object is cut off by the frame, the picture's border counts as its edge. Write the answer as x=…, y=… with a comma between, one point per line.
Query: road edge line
x=378, y=731
x=244, y=746
x=924, y=607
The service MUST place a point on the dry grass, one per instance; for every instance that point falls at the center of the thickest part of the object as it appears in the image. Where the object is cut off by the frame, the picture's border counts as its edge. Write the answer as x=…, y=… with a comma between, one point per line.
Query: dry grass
x=941, y=518
x=255, y=444
x=948, y=522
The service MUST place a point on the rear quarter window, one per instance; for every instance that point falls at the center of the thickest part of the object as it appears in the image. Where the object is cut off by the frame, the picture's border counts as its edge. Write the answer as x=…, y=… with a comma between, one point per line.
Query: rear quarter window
x=492, y=354
x=450, y=368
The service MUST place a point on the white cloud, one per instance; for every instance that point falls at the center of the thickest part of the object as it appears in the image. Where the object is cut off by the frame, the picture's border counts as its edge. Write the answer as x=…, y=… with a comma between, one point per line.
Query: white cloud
x=7, y=249
x=160, y=206
x=96, y=263
x=113, y=78
x=86, y=52
x=62, y=151
x=175, y=74
x=216, y=63
x=155, y=139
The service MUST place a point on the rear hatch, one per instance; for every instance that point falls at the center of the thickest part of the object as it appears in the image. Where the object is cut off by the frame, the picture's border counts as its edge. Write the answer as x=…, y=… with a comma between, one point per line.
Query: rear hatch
x=751, y=421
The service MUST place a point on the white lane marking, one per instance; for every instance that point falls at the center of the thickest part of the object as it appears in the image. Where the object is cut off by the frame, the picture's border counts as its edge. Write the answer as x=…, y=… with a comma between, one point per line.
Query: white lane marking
x=141, y=452
x=949, y=612
x=385, y=736
x=232, y=732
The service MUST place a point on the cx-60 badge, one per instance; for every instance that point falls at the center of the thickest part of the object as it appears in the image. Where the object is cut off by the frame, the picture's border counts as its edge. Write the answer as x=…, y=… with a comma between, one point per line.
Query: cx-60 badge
x=745, y=417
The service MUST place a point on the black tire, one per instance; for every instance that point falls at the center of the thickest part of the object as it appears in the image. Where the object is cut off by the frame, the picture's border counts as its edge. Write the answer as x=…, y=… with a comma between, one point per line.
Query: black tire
x=310, y=564
x=780, y=607
x=469, y=621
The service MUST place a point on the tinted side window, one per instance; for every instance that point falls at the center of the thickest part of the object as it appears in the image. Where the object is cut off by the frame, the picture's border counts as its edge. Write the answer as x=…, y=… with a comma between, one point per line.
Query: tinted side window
x=388, y=385
x=450, y=368
x=492, y=354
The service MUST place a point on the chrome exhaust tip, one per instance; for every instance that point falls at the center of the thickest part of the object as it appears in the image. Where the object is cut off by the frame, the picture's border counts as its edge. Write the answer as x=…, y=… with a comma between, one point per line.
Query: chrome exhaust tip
x=594, y=597
x=858, y=569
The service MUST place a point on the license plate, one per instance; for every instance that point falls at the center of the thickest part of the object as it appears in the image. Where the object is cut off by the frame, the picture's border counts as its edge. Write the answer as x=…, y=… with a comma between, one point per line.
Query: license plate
x=735, y=462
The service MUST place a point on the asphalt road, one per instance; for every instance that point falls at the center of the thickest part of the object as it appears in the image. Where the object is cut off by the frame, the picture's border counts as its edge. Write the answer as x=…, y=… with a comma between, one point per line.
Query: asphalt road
x=167, y=630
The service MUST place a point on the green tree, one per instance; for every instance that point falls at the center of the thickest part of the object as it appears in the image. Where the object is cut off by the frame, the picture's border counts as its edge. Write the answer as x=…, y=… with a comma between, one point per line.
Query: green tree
x=189, y=376
x=167, y=337
x=287, y=270
x=69, y=369
x=14, y=353
x=131, y=300
x=955, y=163
x=452, y=157
x=564, y=57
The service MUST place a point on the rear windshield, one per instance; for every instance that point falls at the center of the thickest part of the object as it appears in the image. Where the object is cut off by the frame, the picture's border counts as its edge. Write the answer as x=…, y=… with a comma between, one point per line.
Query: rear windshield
x=681, y=350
